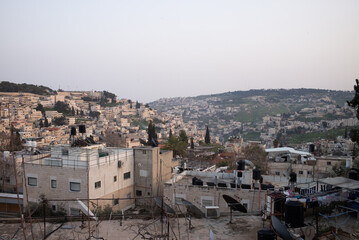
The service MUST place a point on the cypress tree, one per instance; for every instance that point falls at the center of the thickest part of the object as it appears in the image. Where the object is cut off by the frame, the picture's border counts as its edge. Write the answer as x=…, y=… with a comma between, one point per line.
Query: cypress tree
x=46, y=123
x=171, y=134
x=207, y=139
x=152, y=135
x=192, y=144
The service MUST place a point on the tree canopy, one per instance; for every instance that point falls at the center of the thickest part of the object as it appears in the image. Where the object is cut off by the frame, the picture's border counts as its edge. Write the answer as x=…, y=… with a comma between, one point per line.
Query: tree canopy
x=62, y=107
x=354, y=103
x=152, y=135
x=207, y=138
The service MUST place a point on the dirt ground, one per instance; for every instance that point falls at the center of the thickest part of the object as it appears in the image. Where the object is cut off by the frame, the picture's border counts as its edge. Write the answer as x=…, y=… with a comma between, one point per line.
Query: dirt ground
x=244, y=227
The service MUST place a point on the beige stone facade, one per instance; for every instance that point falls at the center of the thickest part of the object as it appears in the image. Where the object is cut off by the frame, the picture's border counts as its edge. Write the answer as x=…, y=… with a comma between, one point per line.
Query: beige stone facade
x=82, y=172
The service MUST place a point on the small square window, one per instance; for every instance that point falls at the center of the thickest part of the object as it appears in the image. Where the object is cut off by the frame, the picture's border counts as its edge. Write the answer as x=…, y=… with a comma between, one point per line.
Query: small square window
x=329, y=163
x=309, y=172
x=75, y=186
x=65, y=152
x=277, y=173
x=301, y=172
x=138, y=193
x=115, y=178
x=127, y=175
x=53, y=207
x=97, y=184
x=53, y=183
x=115, y=202
x=32, y=181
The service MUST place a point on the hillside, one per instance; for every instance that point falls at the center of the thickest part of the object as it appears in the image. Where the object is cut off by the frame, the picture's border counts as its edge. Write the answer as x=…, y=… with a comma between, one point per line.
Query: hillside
x=261, y=114
x=23, y=87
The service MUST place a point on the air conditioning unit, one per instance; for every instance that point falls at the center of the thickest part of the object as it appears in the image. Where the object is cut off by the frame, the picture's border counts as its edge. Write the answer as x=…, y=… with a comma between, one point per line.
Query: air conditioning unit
x=212, y=212
x=119, y=164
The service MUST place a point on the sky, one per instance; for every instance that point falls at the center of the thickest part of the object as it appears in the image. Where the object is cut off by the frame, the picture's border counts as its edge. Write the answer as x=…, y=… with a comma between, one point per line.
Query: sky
x=146, y=50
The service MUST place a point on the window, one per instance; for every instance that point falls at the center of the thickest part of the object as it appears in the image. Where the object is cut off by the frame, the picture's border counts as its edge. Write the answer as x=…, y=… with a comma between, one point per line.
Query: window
x=127, y=175
x=301, y=172
x=115, y=178
x=32, y=181
x=128, y=195
x=115, y=202
x=206, y=202
x=143, y=151
x=138, y=193
x=75, y=186
x=97, y=184
x=309, y=172
x=53, y=183
x=53, y=207
x=329, y=163
x=277, y=173
x=65, y=152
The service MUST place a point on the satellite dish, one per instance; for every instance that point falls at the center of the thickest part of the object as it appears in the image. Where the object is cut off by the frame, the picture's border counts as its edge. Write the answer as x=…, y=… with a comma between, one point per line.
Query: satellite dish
x=192, y=209
x=280, y=228
x=167, y=209
x=85, y=210
x=234, y=204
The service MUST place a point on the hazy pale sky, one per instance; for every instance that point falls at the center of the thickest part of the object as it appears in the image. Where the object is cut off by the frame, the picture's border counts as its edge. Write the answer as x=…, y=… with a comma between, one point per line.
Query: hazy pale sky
x=145, y=50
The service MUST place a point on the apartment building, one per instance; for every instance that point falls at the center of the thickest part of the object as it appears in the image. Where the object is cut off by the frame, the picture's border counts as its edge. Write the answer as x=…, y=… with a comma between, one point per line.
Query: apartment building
x=153, y=167
x=90, y=172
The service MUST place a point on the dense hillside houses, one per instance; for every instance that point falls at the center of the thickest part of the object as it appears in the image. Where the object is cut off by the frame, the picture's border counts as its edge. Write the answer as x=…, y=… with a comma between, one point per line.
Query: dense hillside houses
x=88, y=156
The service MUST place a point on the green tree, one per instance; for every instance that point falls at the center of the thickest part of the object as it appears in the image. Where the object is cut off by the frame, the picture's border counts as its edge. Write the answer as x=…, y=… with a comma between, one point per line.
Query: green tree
x=275, y=143
x=178, y=147
x=152, y=135
x=171, y=134
x=192, y=143
x=207, y=138
x=73, y=111
x=40, y=108
x=354, y=103
x=138, y=105
x=59, y=121
x=46, y=122
x=62, y=107
x=183, y=136
x=94, y=114
x=15, y=140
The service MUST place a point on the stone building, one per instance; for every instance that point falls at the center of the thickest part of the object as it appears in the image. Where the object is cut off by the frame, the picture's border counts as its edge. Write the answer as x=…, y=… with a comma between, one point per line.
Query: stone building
x=153, y=167
x=85, y=173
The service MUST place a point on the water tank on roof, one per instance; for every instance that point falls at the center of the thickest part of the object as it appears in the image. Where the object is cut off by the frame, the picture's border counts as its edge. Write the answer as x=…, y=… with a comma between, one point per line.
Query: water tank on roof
x=352, y=174
x=266, y=234
x=256, y=174
x=293, y=177
x=294, y=214
x=82, y=129
x=311, y=148
x=241, y=165
x=73, y=131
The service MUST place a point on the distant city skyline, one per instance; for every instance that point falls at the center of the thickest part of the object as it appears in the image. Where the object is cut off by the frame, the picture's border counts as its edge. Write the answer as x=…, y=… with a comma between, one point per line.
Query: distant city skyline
x=146, y=50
